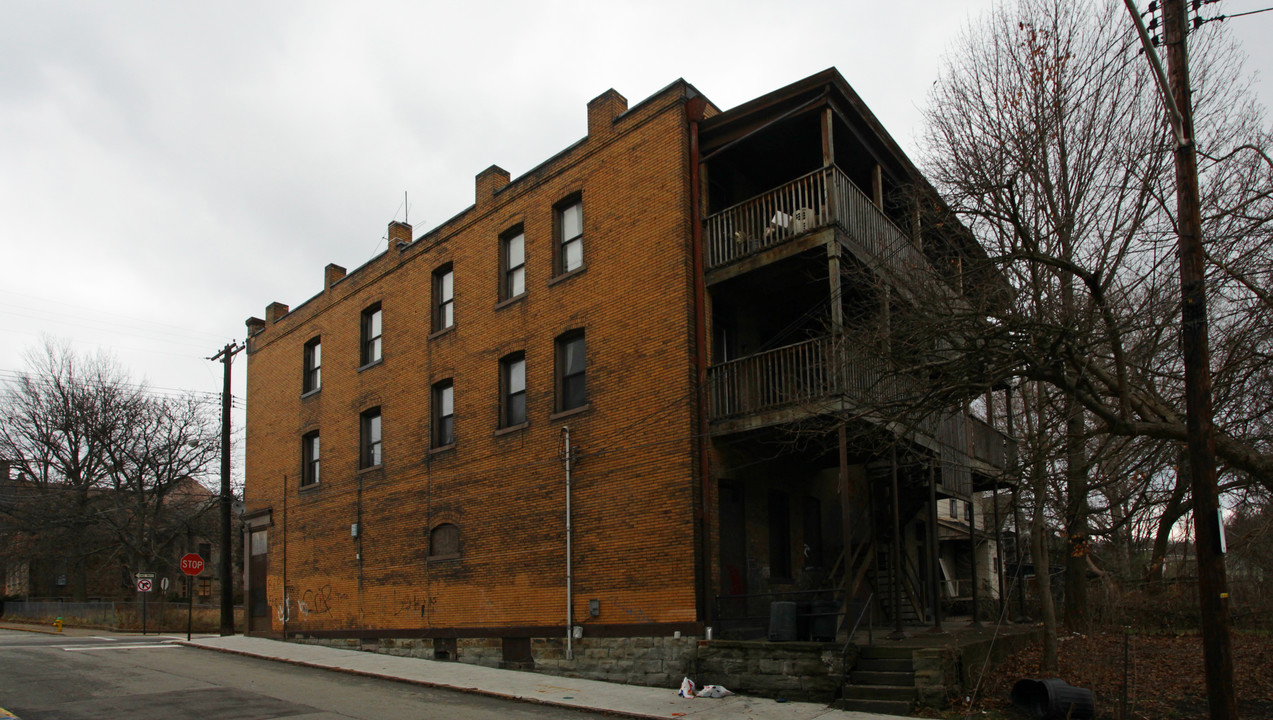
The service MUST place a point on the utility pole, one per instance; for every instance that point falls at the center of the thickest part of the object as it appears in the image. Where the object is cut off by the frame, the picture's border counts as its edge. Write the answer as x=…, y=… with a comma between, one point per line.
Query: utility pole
x=226, y=356
x=1213, y=592
x=1212, y=588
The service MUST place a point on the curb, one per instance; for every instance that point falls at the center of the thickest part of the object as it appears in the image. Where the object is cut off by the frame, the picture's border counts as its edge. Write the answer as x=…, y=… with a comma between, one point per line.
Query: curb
x=437, y=685
x=24, y=627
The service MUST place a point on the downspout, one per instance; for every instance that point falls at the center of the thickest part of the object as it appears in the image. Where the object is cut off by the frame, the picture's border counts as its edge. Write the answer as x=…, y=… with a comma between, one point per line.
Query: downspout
x=286, y=600
x=570, y=599
x=694, y=110
x=358, y=550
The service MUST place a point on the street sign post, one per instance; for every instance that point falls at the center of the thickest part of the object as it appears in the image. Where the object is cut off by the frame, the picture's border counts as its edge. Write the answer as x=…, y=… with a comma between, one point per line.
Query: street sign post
x=145, y=583
x=191, y=565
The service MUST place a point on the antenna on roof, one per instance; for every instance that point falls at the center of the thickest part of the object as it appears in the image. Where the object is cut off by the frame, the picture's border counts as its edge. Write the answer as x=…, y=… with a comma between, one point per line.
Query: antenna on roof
x=406, y=209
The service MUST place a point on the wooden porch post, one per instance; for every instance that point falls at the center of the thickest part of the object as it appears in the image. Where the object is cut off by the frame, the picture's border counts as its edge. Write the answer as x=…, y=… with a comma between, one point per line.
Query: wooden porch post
x=934, y=573
x=877, y=187
x=972, y=554
x=895, y=562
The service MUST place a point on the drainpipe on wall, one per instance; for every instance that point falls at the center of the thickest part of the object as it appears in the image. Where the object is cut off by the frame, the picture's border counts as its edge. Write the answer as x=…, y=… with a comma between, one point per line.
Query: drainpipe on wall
x=570, y=600
x=286, y=599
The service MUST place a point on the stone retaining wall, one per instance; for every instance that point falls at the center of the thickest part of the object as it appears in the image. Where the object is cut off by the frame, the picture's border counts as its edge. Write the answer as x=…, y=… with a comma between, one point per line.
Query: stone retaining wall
x=795, y=671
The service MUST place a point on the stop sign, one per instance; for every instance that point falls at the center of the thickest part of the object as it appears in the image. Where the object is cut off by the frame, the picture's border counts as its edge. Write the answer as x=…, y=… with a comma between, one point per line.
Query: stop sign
x=191, y=564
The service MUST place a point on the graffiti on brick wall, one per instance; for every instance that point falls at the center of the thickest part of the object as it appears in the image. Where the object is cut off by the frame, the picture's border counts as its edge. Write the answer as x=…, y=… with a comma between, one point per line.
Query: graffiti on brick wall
x=306, y=603
x=409, y=602
x=317, y=602
x=634, y=613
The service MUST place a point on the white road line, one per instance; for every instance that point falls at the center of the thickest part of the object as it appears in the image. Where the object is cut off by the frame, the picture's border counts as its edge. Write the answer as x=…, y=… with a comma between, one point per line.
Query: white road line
x=137, y=646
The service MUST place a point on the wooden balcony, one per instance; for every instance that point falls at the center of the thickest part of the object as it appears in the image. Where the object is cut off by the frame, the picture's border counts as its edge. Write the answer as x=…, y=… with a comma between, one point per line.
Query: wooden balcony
x=805, y=378
x=804, y=373
x=825, y=198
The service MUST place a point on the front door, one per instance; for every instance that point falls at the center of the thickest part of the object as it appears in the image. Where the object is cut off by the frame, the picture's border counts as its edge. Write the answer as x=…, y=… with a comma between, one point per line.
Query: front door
x=258, y=571
x=733, y=542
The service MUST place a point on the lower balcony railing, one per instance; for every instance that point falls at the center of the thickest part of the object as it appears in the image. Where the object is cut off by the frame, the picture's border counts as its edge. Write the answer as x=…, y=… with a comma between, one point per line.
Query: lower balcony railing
x=794, y=374
x=784, y=376
x=812, y=372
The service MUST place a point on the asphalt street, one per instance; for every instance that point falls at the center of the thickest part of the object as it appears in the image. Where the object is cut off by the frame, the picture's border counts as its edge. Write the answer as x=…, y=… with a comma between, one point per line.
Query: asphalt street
x=80, y=675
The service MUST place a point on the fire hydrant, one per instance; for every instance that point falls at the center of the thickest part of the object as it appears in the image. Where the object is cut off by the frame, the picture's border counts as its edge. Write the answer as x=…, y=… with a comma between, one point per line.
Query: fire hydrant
x=58, y=624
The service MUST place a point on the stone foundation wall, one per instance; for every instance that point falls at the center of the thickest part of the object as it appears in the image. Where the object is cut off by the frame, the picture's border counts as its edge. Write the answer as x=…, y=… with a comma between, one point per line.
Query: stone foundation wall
x=656, y=662
x=795, y=671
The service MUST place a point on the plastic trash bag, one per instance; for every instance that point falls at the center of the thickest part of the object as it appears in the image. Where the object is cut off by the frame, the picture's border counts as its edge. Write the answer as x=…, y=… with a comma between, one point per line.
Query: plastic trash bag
x=713, y=691
x=687, y=688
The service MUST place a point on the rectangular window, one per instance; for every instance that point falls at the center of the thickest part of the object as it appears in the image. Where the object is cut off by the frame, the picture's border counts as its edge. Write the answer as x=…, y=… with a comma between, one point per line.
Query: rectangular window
x=371, y=438
x=513, y=386
x=309, y=459
x=260, y=543
x=371, y=326
x=443, y=298
x=444, y=413
x=571, y=389
x=313, y=378
x=513, y=264
x=569, y=254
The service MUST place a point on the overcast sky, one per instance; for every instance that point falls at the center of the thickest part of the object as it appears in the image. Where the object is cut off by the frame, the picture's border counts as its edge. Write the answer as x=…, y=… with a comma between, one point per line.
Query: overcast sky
x=167, y=168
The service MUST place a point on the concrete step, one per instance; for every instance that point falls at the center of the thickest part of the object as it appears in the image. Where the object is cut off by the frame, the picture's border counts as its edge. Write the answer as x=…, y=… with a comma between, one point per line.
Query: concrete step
x=876, y=677
x=883, y=707
x=902, y=665
x=886, y=652
x=905, y=693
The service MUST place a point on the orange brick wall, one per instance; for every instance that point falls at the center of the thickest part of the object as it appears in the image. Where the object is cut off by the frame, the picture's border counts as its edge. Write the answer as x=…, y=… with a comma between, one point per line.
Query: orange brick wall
x=634, y=482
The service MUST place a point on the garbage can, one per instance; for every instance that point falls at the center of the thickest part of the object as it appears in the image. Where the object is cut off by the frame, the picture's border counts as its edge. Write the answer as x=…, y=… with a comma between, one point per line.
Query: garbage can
x=1052, y=699
x=823, y=621
x=782, y=621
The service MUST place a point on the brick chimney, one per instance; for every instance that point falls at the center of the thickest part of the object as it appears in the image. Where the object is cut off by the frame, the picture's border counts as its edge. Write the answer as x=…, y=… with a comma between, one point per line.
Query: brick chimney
x=333, y=272
x=255, y=325
x=399, y=233
x=490, y=181
x=602, y=110
x=275, y=312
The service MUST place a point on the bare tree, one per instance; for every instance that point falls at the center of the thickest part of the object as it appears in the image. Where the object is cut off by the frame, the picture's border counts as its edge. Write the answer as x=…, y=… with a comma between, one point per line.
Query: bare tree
x=161, y=446
x=55, y=421
x=106, y=470
x=1052, y=152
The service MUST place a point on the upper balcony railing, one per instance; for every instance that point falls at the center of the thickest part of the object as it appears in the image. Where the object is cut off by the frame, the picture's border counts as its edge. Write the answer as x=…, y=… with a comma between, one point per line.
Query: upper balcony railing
x=822, y=198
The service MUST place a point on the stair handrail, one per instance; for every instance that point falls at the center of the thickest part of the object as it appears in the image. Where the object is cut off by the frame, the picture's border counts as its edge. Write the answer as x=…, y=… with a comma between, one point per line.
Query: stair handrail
x=870, y=637
x=910, y=579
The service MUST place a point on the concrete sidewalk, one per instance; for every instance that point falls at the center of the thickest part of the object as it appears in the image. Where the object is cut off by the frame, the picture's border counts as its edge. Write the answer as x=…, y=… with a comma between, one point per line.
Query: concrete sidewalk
x=624, y=700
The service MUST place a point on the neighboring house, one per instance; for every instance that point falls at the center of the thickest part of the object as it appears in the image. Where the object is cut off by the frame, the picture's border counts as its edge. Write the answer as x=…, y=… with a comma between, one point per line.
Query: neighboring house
x=38, y=559
x=572, y=404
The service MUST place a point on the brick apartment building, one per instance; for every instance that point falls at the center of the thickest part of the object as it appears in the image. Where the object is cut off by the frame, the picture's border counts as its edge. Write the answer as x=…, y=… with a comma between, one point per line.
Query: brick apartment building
x=567, y=406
